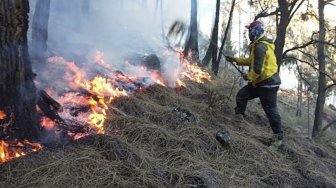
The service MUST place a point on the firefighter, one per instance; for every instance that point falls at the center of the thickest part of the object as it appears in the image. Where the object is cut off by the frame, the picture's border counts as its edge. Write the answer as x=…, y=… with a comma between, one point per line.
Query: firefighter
x=263, y=80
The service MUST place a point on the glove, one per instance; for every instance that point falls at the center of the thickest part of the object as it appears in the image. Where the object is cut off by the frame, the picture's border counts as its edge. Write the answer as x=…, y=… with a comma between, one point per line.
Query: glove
x=245, y=76
x=230, y=59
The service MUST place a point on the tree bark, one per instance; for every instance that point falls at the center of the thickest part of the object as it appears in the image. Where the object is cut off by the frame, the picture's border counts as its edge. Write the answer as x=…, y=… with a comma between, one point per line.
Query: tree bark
x=192, y=41
x=299, y=101
x=216, y=66
x=318, y=120
x=308, y=106
x=281, y=31
x=17, y=89
x=40, y=33
x=213, y=46
x=329, y=125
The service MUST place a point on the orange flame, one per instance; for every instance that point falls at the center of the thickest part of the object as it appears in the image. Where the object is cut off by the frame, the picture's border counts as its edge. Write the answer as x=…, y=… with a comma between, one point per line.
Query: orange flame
x=104, y=89
x=75, y=75
x=195, y=73
x=47, y=123
x=15, y=149
x=100, y=60
x=97, y=118
x=159, y=82
x=180, y=83
x=2, y=115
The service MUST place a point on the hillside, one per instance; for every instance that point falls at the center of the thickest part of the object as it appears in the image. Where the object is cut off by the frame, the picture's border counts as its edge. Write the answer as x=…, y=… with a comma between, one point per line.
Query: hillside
x=164, y=137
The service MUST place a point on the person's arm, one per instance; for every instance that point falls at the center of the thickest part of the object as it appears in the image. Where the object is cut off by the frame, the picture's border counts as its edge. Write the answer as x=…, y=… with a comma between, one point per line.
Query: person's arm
x=239, y=61
x=243, y=61
x=259, y=58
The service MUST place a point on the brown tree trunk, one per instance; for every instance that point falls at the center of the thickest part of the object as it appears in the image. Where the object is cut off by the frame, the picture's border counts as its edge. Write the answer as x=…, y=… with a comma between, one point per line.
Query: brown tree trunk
x=17, y=89
x=286, y=11
x=322, y=78
x=40, y=32
x=333, y=122
x=299, y=101
x=192, y=40
x=308, y=106
x=281, y=31
x=213, y=46
x=216, y=66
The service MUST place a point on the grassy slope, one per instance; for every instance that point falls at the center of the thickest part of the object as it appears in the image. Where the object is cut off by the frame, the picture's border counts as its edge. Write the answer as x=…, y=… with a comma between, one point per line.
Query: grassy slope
x=153, y=145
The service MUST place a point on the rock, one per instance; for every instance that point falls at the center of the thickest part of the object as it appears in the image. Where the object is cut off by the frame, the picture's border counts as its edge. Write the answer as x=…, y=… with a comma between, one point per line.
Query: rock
x=183, y=115
x=223, y=137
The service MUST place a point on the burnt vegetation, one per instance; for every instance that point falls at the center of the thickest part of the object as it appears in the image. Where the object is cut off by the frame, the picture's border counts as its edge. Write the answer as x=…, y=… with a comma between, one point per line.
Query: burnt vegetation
x=155, y=136
x=166, y=138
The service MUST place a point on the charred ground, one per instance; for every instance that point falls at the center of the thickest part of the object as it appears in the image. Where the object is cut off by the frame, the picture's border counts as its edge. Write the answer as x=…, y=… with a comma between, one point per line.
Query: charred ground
x=164, y=137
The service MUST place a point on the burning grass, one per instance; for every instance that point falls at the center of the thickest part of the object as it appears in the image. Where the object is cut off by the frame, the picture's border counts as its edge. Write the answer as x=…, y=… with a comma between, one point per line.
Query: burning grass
x=2, y=115
x=84, y=95
x=14, y=149
x=165, y=137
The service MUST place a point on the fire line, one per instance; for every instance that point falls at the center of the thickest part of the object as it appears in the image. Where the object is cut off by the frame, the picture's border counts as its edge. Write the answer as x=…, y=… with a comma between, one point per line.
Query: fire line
x=86, y=92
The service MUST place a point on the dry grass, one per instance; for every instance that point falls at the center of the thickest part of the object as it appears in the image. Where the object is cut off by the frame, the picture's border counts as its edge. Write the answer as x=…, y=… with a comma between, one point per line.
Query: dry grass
x=167, y=139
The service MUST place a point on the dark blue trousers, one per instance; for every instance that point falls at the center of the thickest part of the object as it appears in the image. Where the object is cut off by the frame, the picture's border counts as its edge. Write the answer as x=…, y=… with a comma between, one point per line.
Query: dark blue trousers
x=268, y=99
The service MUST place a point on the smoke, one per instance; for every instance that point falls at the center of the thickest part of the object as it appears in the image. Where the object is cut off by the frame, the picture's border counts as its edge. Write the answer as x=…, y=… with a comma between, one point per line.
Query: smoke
x=119, y=29
x=99, y=50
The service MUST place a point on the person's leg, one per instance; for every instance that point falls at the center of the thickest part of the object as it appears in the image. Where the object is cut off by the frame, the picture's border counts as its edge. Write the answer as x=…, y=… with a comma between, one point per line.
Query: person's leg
x=245, y=94
x=268, y=99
